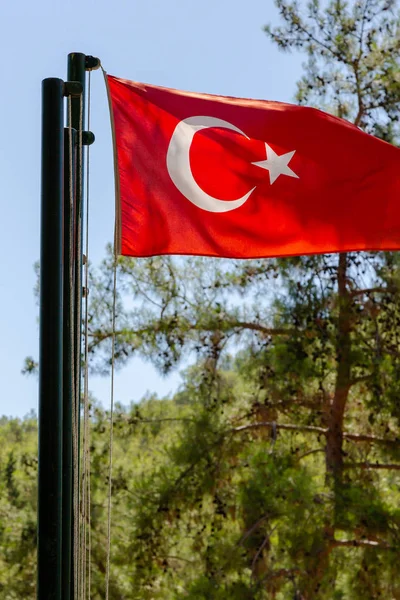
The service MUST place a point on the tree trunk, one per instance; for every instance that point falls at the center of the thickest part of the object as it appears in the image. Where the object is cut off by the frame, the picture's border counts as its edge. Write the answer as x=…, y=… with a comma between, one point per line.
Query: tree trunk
x=318, y=566
x=334, y=439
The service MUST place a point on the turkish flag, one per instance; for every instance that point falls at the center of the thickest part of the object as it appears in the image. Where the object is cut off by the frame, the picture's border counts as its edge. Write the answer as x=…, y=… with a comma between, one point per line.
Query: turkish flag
x=218, y=176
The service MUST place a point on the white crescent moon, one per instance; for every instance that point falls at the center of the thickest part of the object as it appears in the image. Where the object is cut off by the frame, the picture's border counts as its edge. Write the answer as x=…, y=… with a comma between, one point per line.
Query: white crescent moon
x=178, y=164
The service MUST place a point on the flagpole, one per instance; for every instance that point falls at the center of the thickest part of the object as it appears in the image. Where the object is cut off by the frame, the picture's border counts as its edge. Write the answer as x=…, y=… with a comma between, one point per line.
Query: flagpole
x=77, y=72
x=60, y=324
x=51, y=345
x=75, y=117
x=78, y=64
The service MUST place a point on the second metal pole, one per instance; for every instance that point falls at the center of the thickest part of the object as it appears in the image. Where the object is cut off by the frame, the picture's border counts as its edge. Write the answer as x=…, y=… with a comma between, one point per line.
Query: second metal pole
x=77, y=72
x=51, y=347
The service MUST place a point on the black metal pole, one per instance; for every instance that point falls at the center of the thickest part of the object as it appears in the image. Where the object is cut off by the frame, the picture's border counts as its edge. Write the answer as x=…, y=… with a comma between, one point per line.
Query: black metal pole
x=51, y=347
x=78, y=63
x=77, y=72
x=68, y=358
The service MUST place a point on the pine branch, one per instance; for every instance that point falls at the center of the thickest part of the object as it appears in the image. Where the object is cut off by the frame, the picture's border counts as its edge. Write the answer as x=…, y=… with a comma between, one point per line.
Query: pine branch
x=139, y=420
x=289, y=427
x=361, y=379
x=360, y=544
x=252, y=529
x=373, y=290
x=355, y=437
x=259, y=551
x=367, y=465
x=309, y=452
x=358, y=437
x=101, y=336
x=262, y=329
x=179, y=558
x=279, y=573
x=98, y=337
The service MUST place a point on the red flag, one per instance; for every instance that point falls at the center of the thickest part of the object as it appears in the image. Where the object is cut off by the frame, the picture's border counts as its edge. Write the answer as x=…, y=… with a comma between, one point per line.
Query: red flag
x=218, y=176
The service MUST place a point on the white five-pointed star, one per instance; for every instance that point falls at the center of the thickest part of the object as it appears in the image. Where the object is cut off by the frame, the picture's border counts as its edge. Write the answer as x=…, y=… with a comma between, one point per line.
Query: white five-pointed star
x=276, y=165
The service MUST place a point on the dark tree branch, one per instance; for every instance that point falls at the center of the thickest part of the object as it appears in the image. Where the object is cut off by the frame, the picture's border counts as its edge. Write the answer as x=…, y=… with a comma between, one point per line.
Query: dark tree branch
x=262, y=329
x=358, y=437
x=139, y=420
x=315, y=451
x=360, y=544
x=355, y=437
x=252, y=529
x=360, y=379
x=289, y=427
x=378, y=290
x=100, y=336
x=367, y=466
x=259, y=552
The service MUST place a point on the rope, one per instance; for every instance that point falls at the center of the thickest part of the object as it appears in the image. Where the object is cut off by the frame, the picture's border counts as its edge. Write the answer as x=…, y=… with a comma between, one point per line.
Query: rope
x=87, y=344
x=81, y=511
x=111, y=427
x=86, y=546
x=110, y=465
x=80, y=553
x=75, y=399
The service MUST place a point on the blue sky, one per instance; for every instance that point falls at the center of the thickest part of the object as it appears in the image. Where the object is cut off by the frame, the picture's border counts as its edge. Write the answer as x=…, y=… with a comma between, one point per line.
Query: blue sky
x=214, y=46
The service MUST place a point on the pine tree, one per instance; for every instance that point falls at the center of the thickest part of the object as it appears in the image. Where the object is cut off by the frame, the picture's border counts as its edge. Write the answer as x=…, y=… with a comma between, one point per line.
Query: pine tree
x=282, y=480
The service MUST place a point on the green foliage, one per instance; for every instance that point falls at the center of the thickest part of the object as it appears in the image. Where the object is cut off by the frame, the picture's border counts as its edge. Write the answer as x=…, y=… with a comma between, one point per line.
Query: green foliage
x=353, y=51
x=18, y=467
x=203, y=508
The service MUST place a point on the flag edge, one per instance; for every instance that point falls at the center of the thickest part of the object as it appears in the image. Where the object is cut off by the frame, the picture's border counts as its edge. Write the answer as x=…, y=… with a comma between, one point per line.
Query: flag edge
x=117, y=225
